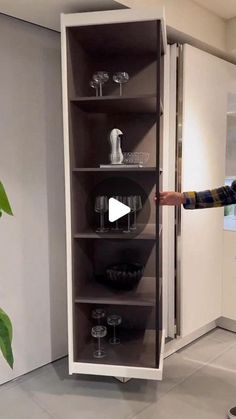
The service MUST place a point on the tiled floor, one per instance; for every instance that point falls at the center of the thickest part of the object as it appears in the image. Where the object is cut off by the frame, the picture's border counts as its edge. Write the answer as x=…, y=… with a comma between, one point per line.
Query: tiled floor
x=199, y=383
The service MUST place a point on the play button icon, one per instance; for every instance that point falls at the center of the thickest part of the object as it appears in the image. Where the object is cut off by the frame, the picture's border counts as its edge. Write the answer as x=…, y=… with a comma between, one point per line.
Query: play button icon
x=117, y=210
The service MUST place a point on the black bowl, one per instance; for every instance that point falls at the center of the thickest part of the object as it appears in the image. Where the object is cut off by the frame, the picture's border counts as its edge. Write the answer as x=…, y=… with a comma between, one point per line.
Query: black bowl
x=125, y=276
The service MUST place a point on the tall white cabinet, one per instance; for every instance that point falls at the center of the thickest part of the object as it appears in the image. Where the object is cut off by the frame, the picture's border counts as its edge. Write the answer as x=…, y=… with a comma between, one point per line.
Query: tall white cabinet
x=201, y=290
x=206, y=256
x=203, y=146
x=228, y=319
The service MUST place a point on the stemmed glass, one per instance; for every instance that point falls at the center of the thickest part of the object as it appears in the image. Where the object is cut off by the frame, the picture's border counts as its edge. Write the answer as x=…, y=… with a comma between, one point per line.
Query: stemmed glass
x=142, y=158
x=101, y=206
x=101, y=77
x=136, y=205
x=98, y=314
x=118, y=198
x=114, y=320
x=127, y=200
x=95, y=85
x=121, y=77
x=99, y=332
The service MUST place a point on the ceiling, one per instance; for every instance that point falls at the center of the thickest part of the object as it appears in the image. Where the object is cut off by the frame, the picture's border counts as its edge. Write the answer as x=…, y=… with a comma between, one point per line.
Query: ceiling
x=47, y=12
x=222, y=8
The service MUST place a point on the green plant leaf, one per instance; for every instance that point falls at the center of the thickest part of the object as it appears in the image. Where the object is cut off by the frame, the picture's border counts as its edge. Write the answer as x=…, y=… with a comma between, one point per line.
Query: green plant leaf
x=5, y=322
x=6, y=338
x=5, y=318
x=4, y=203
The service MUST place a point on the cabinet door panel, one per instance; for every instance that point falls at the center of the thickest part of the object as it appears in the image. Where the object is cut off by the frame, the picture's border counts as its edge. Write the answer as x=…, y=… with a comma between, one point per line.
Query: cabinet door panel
x=203, y=167
x=229, y=254
x=168, y=178
x=229, y=276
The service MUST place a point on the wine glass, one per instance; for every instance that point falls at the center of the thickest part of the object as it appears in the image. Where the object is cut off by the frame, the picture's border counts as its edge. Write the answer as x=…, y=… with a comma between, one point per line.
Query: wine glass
x=101, y=206
x=136, y=205
x=114, y=320
x=128, y=157
x=143, y=158
x=139, y=202
x=133, y=206
x=127, y=200
x=118, y=198
x=98, y=314
x=95, y=85
x=101, y=77
x=99, y=332
x=136, y=157
x=121, y=77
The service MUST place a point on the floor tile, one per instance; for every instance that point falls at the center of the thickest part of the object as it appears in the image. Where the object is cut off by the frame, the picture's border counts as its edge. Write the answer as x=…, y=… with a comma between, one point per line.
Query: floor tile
x=204, y=349
x=176, y=369
x=63, y=395
x=227, y=360
x=67, y=396
x=223, y=335
x=16, y=403
x=22, y=378
x=207, y=394
x=190, y=388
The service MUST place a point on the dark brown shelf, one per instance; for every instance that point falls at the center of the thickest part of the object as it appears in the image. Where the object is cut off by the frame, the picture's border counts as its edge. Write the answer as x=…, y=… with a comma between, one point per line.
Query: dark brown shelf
x=148, y=233
x=116, y=169
x=130, y=39
x=97, y=293
x=117, y=104
x=136, y=348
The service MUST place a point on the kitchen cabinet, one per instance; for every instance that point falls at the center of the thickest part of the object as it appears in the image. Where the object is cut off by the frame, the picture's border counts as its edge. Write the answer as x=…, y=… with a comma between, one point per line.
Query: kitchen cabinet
x=203, y=145
x=229, y=279
x=184, y=267
x=204, y=289
x=135, y=42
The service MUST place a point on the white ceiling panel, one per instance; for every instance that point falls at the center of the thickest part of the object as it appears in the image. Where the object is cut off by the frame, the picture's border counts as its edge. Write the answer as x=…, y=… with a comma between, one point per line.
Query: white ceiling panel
x=222, y=8
x=47, y=12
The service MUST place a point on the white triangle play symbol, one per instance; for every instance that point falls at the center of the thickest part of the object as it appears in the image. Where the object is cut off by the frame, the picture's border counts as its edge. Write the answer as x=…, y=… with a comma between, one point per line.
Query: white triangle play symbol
x=117, y=210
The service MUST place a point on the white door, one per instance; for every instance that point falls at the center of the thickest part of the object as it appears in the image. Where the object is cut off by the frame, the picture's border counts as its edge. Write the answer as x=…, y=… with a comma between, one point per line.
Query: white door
x=205, y=91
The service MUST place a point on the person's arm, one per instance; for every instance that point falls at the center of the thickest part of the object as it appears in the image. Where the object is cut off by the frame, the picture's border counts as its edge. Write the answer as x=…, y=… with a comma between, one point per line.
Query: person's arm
x=171, y=198
x=219, y=197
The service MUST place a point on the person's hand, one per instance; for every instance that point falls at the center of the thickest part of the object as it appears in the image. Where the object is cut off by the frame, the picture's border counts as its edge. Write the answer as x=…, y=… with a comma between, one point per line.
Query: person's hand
x=171, y=198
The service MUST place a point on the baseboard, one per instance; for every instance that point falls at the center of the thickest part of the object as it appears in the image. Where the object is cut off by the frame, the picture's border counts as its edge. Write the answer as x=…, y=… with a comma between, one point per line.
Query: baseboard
x=226, y=323
x=179, y=343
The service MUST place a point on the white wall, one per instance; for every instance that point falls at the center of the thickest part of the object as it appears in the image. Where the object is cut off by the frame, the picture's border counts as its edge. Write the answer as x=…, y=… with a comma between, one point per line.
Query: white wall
x=32, y=244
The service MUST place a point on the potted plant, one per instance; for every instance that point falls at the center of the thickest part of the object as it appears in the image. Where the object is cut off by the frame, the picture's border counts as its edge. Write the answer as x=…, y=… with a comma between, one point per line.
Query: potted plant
x=5, y=322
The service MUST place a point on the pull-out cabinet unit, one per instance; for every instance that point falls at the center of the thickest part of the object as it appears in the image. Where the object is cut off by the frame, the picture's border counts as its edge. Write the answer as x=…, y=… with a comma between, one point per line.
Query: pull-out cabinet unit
x=133, y=42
